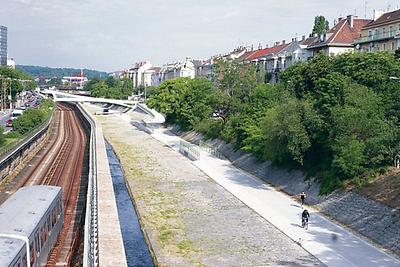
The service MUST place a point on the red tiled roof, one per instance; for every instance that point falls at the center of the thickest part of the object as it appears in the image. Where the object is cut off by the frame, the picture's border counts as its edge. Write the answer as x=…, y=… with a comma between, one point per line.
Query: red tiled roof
x=266, y=51
x=309, y=41
x=247, y=54
x=342, y=33
x=385, y=18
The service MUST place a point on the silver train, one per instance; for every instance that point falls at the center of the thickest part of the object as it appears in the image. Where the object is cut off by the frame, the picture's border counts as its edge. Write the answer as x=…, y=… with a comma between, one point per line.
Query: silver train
x=31, y=215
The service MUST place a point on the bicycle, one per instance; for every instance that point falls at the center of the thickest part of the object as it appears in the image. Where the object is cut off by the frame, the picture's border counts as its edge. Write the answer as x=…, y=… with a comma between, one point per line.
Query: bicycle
x=304, y=223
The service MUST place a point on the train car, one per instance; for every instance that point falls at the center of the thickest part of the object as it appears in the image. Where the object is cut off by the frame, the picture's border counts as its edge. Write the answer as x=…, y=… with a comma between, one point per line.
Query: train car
x=33, y=212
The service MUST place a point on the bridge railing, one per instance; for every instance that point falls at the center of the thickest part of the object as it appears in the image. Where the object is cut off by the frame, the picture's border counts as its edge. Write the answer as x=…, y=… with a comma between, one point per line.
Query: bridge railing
x=91, y=246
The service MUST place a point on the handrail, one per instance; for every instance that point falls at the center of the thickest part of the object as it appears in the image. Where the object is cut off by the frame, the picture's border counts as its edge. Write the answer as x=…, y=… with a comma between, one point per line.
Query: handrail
x=90, y=250
x=210, y=149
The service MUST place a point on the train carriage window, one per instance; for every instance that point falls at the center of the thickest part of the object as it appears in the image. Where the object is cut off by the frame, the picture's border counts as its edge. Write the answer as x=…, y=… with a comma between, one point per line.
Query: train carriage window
x=48, y=224
x=53, y=218
x=33, y=254
x=37, y=242
x=43, y=236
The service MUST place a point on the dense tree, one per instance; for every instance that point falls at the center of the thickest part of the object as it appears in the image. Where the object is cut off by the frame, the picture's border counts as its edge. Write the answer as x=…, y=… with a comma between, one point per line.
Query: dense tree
x=110, y=88
x=47, y=72
x=16, y=81
x=32, y=118
x=337, y=118
x=321, y=25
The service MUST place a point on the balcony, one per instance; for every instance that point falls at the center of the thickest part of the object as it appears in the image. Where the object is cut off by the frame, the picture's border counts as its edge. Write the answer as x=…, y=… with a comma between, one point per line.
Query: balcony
x=378, y=37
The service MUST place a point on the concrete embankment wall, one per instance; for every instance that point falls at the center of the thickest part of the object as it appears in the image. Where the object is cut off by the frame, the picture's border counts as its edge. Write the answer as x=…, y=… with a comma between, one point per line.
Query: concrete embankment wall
x=109, y=245
x=365, y=216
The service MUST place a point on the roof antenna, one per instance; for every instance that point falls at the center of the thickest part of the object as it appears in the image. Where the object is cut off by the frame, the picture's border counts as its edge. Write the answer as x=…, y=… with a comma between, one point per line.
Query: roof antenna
x=365, y=6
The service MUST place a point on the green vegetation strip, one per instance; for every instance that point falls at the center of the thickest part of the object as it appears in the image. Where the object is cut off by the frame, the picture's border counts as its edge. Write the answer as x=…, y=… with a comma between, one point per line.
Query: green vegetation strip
x=159, y=209
x=26, y=126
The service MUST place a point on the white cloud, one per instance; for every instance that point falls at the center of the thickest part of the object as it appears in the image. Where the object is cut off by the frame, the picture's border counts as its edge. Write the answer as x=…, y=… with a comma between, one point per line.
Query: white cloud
x=110, y=35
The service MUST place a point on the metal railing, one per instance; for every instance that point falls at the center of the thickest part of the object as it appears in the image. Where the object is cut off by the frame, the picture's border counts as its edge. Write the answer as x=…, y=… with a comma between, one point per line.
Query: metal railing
x=377, y=37
x=189, y=150
x=91, y=246
x=210, y=149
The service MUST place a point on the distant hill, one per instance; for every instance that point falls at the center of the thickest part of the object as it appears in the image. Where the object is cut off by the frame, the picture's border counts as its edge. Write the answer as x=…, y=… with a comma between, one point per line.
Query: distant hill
x=47, y=72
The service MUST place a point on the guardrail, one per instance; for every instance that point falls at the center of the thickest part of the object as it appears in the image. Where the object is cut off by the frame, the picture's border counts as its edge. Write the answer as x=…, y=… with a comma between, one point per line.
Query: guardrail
x=210, y=149
x=189, y=150
x=91, y=246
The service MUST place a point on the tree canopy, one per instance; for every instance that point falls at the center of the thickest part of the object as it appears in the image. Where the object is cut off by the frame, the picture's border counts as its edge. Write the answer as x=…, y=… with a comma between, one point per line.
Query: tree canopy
x=110, y=88
x=321, y=25
x=337, y=118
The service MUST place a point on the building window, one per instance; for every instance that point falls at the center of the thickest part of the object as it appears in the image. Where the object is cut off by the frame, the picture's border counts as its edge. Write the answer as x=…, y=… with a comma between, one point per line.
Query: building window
x=383, y=31
x=391, y=30
x=384, y=47
x=392, y=45
x=369, y=33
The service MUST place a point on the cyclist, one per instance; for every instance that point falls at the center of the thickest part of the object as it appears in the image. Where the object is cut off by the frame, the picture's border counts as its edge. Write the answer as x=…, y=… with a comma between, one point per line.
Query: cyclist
x=302, y=198
x=304, y=218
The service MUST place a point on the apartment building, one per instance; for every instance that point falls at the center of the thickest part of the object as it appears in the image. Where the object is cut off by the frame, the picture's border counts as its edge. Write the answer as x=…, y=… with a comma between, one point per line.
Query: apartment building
x=340, y=38
x=381, y=34
x=3, y=45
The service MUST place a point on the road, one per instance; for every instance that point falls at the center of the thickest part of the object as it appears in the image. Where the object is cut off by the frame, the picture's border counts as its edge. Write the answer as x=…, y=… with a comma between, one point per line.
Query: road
x=4, y=116
x=330, y=243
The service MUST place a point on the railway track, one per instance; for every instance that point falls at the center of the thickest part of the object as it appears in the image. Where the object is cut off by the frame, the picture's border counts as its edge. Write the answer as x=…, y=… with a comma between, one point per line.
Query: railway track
x=62, y=166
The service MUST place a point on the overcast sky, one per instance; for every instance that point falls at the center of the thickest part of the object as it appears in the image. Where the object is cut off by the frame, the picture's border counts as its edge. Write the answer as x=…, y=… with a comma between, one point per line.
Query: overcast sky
x=113, y=34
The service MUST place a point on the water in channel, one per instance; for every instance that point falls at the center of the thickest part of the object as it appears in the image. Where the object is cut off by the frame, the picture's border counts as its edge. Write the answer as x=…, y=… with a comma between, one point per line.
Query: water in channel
x=136, y=250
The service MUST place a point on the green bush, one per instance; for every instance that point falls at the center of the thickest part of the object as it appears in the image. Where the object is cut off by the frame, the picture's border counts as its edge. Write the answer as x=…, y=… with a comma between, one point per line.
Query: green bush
x=336, y=118
x=210, y=128
x=33, y=118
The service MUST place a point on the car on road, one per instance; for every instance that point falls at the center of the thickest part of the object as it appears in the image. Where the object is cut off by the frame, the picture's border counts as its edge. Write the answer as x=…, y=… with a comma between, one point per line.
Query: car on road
x=16, y=113
x=9, y=123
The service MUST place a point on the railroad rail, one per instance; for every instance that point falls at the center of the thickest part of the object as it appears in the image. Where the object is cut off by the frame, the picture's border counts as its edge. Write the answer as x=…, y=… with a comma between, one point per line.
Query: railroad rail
x=62, y=166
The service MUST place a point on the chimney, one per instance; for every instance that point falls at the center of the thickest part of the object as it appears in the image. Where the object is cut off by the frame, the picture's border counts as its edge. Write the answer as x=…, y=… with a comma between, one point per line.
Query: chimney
x=378, y=14
x=267, y=45
x=259, y=46
x=350, y=20
x=283, y=41
x=339, y=19
x=303, y=37
x=276, y=43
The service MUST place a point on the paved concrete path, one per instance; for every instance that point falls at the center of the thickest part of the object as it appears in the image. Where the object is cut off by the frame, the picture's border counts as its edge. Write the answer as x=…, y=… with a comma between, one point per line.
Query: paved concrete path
x=330, y=243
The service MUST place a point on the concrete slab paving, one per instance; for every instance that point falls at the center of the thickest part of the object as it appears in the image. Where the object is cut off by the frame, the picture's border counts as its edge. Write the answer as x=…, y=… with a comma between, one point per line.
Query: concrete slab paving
x=188, y=218
x=330, y=243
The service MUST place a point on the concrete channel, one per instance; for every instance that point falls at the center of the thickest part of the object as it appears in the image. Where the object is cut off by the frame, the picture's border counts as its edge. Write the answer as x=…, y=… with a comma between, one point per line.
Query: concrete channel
x=136, y=249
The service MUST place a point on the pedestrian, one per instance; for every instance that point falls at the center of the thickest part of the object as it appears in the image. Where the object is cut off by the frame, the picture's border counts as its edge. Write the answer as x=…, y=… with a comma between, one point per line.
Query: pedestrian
x=302, y=198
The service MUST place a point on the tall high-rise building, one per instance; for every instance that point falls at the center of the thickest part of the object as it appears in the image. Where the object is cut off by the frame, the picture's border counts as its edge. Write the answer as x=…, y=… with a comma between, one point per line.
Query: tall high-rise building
x=3, y=45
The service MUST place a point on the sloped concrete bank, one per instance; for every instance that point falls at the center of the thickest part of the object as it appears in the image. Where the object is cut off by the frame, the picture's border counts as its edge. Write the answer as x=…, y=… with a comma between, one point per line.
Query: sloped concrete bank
x=367, y=217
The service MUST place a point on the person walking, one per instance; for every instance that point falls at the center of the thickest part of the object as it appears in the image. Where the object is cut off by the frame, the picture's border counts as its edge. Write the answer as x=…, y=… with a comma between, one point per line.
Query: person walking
x=302, y=198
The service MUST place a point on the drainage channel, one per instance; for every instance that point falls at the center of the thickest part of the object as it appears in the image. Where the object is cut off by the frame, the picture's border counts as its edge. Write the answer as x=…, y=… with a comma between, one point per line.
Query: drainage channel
x=136, y=250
